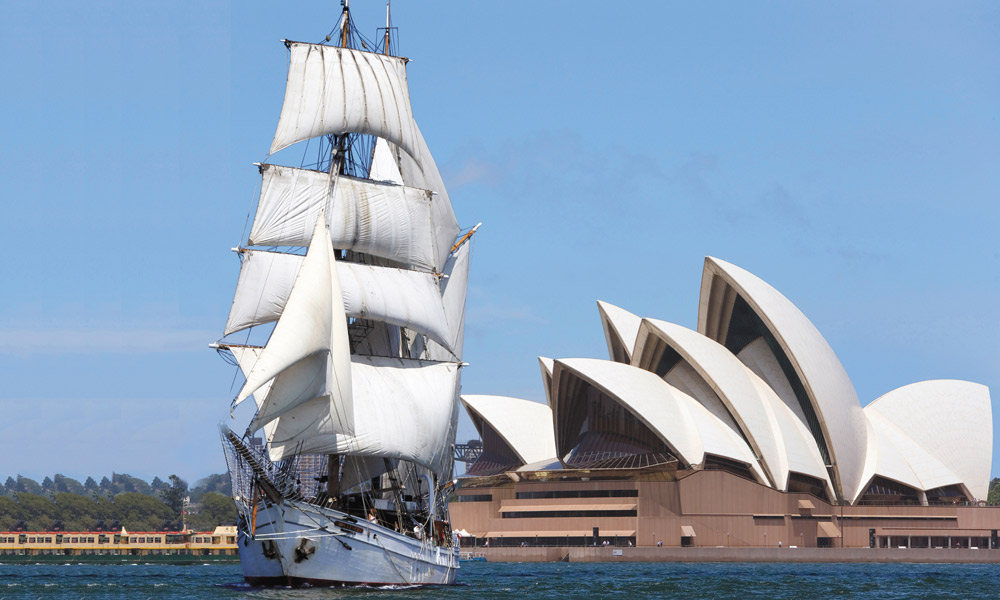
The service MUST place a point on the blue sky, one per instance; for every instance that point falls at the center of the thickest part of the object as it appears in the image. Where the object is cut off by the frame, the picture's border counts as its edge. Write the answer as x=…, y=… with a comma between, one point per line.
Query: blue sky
x=847, y=154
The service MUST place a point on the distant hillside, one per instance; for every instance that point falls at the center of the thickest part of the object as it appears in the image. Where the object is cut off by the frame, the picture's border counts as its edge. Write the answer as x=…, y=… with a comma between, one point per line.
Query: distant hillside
x=63, y=503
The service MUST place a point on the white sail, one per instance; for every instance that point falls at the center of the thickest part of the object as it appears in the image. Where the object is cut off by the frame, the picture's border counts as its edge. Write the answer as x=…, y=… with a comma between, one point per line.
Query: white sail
x=402, y=409
x=384, y=167
x=246, y=358
x=265, y=282
x=307, y=356
x=384, y=220
x=453, y=292
x=333, y=90
x=406, y=298
x=360, y=469
x=420, y=171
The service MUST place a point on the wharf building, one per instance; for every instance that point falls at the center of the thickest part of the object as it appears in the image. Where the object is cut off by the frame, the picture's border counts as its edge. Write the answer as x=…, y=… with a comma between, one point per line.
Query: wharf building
x=745, y=433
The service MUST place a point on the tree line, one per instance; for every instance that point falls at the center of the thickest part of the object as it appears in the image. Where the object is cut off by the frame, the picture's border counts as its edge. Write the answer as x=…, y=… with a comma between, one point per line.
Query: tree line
x=993, y=497
x=62, y=503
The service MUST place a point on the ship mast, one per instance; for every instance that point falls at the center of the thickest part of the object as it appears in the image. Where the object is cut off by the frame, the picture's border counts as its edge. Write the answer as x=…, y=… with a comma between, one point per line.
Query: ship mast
x=388, y=25
x=337, y=161
x=345, y=23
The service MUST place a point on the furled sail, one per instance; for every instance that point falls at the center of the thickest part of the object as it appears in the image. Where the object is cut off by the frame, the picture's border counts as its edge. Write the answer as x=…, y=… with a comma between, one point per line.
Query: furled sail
x=333, y=90
x=389, y=221
x=401, y=297
x=307, y=356
x=402, y=409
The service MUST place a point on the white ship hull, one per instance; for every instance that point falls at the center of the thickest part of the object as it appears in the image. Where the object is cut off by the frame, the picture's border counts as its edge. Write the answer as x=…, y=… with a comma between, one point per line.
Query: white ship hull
x=297, y=543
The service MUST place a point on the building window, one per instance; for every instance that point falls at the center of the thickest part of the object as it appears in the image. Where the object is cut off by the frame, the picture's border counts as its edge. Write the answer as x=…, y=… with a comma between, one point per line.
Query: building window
x=476, y=498
x=557, y=514
x=578, y=494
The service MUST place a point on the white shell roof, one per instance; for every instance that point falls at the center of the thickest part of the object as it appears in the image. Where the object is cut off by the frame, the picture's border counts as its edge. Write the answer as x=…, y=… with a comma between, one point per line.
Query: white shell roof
x=826, y=383
x=526, y=426
x=619, y=322
x=800, y=451
x=775, y=433
x=679, y=420
x=951, y=420
x=546, y=364
x=894, y=455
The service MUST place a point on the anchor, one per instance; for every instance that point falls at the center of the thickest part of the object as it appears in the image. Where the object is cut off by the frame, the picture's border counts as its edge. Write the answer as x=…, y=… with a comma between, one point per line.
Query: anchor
x=302, y=551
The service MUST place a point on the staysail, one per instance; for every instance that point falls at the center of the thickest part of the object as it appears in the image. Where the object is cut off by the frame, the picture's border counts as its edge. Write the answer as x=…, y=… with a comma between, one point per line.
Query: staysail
x=403, y=410
x=385, y=166
x=307, y=356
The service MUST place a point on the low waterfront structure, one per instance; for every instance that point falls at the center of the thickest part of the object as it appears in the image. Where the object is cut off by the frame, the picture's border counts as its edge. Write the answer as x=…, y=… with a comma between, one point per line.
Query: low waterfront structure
x=745, y=433
x=220, y=542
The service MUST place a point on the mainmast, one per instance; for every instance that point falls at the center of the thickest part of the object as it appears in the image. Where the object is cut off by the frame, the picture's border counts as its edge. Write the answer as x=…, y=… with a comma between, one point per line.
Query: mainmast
x=345, y=23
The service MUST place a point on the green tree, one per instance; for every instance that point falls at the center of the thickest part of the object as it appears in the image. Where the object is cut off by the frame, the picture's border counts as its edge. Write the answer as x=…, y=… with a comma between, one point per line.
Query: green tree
x=213, y=483
x=10, y=514
x=67, y=484
x=104, y=514
x=39, y=512
x=30, y=486
x=138, y=512
x=215, y=509
x=75, y=511
x=90, y=485
x=175, y=495
x=993, y=496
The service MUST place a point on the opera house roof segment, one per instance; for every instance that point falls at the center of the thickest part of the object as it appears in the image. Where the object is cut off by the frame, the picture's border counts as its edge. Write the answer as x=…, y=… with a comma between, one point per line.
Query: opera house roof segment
x=737, y=308
x=711, y=374
x=510, y=426
x=620, y=330
x=951, y=421
x=607, y=413
x=546, y=365
x=895, y=460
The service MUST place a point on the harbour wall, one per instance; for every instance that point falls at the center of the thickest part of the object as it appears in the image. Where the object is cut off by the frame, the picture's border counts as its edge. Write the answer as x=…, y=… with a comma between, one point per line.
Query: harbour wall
x=674, y=554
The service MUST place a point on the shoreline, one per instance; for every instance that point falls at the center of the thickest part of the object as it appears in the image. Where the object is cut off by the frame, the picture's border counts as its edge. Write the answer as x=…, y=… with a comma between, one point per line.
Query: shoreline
x=162, y=559
x=776, y=555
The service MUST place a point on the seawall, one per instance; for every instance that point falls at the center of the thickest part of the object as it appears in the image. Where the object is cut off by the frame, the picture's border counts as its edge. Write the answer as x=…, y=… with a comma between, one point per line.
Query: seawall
x=675, y=554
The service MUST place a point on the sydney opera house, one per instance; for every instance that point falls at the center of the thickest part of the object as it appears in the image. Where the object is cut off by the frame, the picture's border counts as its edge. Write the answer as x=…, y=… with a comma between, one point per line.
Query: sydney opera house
x=746, y=432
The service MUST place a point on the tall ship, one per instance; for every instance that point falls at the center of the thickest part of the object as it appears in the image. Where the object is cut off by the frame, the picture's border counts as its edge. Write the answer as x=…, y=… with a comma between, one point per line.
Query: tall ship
x=347, y=325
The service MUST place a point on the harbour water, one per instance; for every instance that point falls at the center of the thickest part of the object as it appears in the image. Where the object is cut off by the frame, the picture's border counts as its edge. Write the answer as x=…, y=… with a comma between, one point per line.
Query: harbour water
x=526, y=580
